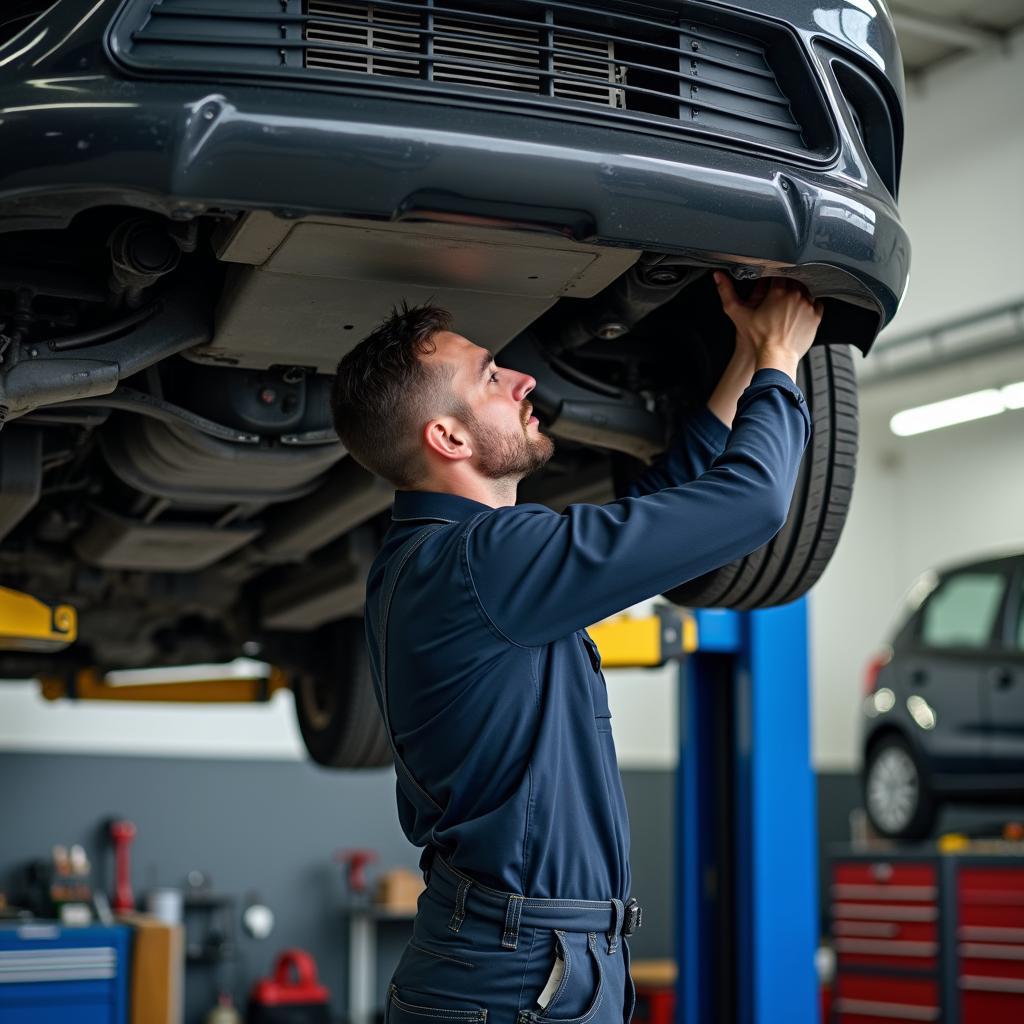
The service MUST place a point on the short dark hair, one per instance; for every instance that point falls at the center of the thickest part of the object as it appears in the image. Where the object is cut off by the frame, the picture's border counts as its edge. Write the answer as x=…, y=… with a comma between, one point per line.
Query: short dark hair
x=383, y=393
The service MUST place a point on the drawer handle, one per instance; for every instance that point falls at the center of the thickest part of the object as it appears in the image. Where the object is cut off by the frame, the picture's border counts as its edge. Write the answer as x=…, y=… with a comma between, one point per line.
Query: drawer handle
x=875, y=911
x=894, y=1011
x=910, y=893
x=977, y=983
x=867, y=929
x=981, y=933
x=984, y=951
x=910, y=949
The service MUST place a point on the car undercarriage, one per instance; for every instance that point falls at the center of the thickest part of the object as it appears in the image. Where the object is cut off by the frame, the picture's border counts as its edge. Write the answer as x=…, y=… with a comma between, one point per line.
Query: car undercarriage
x=170, y=464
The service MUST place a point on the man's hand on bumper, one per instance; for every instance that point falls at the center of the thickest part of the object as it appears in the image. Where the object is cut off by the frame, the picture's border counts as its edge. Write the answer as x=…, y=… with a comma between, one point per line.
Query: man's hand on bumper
x=777, y=322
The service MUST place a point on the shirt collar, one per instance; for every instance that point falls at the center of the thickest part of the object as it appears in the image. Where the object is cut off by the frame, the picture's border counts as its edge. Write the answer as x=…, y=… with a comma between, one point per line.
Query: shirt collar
x=445, y=508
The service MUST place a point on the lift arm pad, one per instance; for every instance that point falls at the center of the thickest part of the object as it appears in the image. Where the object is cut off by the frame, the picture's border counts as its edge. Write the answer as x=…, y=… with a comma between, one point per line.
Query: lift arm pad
x=27, y=624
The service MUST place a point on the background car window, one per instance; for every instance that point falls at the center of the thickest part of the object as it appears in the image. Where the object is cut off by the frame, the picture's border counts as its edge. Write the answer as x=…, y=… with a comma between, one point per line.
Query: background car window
x=962, y=612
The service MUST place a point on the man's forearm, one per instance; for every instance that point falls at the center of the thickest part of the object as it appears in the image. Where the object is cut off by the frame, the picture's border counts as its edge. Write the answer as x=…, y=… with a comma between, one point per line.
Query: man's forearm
x=734, y=381
x=778, y=358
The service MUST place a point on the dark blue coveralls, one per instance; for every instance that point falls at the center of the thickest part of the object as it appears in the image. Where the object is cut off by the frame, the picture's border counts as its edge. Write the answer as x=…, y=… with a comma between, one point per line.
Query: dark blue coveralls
x=493, y=696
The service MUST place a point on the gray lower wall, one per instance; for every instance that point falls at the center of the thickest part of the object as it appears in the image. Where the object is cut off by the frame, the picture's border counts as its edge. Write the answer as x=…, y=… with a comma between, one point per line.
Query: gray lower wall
x=269, y=828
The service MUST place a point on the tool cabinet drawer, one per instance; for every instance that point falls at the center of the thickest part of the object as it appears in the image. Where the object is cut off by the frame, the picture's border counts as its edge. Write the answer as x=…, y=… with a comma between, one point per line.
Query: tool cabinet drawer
x=885, y=914
x=52, y=975
x=886, y=874
x=987, y=1000
x=874, y=999
x=990, y=943
x=991, y=898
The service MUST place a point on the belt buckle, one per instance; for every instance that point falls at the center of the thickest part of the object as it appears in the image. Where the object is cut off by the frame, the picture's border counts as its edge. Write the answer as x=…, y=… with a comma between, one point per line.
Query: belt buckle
x=633, y=916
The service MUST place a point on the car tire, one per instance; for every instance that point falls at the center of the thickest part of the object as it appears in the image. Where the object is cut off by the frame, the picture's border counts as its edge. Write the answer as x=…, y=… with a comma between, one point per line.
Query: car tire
x=897, y=798
x=790, y=564
x=337, y=711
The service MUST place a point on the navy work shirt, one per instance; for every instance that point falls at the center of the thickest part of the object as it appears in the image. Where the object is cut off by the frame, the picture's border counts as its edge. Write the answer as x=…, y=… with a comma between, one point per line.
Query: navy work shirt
x=497, y=706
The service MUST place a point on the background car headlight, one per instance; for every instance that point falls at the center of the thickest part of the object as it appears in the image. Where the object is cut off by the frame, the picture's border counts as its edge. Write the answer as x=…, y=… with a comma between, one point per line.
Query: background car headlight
x=879, y=702
x=921, y=711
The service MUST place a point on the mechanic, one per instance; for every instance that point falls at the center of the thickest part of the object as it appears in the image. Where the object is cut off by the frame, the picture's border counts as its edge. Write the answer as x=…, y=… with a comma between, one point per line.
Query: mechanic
x=488, y=682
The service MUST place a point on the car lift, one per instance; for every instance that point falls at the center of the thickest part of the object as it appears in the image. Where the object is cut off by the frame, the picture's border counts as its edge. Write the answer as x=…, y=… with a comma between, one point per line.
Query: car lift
x=27, y=624
x=746, y=863
x=746, y=911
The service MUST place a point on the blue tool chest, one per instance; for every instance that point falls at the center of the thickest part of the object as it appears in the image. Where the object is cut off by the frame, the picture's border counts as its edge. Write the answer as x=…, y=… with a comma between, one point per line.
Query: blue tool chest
x=53, y=975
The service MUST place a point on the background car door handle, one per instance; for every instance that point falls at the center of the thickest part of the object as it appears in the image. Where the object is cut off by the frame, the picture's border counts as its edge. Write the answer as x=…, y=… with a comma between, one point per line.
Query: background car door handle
x=1003, y=677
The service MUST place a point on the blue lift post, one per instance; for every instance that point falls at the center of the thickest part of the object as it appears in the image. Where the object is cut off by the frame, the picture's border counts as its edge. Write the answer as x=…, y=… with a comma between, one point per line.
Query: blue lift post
x=746, y=853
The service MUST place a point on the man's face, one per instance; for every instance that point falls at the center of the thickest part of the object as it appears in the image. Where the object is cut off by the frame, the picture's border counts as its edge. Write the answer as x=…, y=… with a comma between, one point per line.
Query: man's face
x=506, y=437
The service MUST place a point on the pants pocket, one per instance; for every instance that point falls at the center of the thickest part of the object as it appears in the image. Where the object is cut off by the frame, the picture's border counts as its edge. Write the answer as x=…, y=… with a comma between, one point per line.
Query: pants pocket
x=401, y=1011
x=581, y=990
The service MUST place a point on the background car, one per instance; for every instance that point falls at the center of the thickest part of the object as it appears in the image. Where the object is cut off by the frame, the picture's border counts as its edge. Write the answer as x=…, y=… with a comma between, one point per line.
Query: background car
x=202, y=208
x=944, y=708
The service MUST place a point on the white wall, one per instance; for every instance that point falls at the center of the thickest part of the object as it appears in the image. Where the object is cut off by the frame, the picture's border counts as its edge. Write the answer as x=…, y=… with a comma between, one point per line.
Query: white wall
x=962, y=191
x=30, y=723
x=643, y=707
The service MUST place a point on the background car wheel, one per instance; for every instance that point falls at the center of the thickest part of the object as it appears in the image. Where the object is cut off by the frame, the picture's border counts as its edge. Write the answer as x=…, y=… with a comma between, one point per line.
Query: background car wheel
x=897, y=798
x=790, y=564
x=338, y=715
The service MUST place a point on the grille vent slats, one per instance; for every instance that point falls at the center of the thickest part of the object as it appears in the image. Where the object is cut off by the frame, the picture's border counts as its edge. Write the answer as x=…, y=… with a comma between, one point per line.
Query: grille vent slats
x=636, y=63
x=510, y=58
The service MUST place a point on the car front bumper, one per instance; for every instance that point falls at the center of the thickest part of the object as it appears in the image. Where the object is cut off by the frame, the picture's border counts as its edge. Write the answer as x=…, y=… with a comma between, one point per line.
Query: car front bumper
x=84, y=134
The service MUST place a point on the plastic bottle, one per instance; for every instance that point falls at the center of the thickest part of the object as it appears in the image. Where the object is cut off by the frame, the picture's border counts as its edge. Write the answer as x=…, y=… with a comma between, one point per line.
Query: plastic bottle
x=224, y=1012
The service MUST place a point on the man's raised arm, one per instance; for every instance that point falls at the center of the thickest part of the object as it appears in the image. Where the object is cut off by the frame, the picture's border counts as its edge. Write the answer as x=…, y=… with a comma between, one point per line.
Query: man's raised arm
x=539, y=575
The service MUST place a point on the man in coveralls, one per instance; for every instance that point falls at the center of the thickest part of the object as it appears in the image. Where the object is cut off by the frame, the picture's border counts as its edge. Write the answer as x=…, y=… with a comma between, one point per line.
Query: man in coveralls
x=490, y=687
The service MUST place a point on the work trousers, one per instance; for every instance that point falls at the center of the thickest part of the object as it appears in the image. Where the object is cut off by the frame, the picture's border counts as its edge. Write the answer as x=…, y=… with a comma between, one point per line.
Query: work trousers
x=482, y=956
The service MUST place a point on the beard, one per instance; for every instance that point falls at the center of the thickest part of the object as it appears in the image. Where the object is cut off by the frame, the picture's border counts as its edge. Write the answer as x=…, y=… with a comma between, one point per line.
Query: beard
x=508, y=456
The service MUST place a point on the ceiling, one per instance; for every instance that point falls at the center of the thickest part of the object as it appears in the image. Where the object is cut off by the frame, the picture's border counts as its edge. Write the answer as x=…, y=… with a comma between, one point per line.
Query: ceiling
x=933, y=31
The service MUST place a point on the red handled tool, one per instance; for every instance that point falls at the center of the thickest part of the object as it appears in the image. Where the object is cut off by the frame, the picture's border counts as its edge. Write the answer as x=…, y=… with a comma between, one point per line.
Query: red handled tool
x=122, y=833
x=355, y=862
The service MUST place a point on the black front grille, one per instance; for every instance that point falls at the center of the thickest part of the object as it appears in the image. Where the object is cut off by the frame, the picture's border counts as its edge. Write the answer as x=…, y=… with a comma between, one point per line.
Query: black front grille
x=423, y=42
x=704, y=69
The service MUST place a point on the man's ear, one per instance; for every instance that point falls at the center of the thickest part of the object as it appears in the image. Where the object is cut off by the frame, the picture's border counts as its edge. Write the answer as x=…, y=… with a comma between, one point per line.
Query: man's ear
x=446, y=437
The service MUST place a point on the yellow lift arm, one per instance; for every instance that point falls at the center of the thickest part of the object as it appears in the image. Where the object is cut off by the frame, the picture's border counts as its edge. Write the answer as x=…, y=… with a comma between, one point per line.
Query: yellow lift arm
x=90, y=684
x=26, y=624
x=646, y=642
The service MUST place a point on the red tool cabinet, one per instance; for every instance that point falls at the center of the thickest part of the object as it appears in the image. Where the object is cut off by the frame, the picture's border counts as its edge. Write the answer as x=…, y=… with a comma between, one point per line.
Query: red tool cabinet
x=928, y=937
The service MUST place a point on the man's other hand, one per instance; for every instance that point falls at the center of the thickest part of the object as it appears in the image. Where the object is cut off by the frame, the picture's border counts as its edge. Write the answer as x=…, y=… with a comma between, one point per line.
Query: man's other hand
x=778, y=321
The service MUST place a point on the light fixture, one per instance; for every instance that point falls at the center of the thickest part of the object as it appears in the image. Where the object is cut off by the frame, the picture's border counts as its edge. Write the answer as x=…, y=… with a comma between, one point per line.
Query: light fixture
x=1013, y=395
x=962, y=409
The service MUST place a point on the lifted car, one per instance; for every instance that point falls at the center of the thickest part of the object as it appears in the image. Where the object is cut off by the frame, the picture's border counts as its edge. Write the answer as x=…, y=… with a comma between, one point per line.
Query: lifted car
x=204, y=205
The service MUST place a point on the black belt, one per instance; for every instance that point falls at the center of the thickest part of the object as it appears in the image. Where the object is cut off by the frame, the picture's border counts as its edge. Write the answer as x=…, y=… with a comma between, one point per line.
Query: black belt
x=614, y=917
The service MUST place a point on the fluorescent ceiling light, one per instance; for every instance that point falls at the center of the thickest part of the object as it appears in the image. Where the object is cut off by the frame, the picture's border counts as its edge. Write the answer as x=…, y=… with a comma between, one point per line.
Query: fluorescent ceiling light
x=1013, y=395
x=962, y=409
